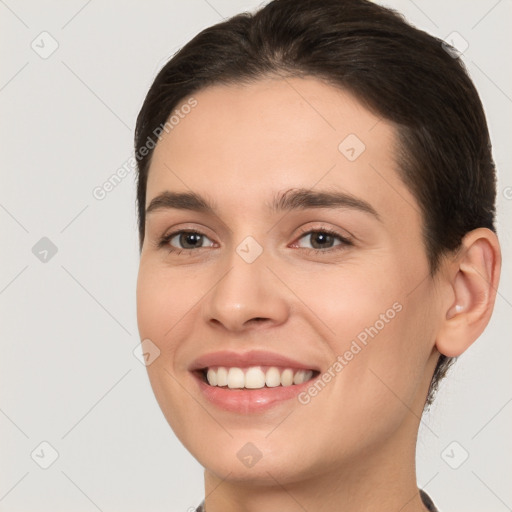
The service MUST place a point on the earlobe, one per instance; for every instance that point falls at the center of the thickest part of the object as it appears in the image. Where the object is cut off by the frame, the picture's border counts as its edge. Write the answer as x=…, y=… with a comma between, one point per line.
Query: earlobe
x=474, y=276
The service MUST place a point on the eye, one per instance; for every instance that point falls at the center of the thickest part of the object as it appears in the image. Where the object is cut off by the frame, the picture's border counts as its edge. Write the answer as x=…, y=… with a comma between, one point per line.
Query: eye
x=322, y=240
x=316, y=240
x=185, y=240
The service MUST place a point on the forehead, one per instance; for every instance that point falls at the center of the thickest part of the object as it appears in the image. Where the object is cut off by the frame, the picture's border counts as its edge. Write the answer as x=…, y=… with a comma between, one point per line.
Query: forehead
x=243, y=143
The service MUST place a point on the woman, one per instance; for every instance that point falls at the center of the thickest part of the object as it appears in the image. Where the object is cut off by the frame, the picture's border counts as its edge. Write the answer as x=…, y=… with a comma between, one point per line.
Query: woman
x=316, y=200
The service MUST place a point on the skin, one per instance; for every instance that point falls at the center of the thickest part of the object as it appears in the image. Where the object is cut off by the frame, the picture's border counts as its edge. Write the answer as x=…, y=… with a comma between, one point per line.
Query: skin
x=352, y=447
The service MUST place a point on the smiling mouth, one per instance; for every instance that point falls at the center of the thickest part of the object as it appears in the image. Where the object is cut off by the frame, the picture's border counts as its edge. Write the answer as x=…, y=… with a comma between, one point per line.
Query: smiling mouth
x=254, y=377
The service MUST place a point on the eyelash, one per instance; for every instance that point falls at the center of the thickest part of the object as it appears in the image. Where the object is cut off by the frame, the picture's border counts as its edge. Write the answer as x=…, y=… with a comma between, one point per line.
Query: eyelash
x=345, y=242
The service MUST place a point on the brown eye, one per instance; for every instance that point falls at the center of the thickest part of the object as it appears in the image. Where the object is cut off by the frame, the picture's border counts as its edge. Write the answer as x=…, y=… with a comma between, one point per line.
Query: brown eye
x=187, y=240
x=321, y=239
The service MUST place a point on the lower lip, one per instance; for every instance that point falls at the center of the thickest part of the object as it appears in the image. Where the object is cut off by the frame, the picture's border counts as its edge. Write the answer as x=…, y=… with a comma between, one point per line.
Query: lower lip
x=249, y=400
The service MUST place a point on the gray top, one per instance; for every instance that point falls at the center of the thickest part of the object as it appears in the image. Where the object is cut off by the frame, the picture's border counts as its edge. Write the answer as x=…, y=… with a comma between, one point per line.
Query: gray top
x=424, y=497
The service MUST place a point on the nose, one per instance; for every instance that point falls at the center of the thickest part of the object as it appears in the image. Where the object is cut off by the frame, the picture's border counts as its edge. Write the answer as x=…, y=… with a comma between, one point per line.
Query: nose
x=248, y=296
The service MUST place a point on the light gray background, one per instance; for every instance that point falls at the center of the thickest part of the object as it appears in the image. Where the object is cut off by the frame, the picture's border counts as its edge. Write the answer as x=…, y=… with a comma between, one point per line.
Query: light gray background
x=68, y=325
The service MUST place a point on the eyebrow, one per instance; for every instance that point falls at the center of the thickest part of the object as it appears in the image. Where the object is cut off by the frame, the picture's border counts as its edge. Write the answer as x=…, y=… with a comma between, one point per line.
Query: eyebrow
x=293, y=199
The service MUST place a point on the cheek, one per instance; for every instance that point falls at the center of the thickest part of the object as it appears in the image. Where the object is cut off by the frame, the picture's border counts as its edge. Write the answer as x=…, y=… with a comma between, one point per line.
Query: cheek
x=162, y=301
x=167, y=301
x=351, y=305
x=162, y=305
x=379, y=341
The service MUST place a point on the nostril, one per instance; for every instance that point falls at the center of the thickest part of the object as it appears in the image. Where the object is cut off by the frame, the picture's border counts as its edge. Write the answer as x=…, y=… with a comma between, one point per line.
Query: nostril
x=258, y=320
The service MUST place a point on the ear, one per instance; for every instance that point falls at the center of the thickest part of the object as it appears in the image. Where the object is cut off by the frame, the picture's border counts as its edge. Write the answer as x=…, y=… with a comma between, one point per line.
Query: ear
x=472, y=279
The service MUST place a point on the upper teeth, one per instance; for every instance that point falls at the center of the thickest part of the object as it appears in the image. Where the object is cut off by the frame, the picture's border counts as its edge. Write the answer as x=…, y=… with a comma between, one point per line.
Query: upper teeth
x=256, y=377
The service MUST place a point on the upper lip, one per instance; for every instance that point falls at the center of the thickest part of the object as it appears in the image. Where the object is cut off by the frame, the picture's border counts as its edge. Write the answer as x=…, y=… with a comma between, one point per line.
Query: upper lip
x=244, y=359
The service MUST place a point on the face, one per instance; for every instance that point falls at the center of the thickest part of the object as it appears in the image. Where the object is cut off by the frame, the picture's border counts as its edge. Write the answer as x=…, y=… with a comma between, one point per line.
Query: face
x=310, y=265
